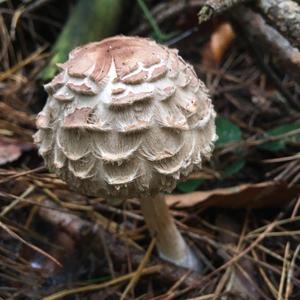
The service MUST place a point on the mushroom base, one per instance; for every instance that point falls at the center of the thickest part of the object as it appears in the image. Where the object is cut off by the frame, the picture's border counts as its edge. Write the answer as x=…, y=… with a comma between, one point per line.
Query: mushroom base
x=170, y=243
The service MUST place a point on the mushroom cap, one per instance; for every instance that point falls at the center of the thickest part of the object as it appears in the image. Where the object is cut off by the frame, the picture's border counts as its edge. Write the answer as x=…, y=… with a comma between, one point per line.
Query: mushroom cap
x=125, y=117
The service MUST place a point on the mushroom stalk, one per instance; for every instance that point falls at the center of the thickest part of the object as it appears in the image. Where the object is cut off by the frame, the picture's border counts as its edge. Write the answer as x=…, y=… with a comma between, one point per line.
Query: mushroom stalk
x=170, y=243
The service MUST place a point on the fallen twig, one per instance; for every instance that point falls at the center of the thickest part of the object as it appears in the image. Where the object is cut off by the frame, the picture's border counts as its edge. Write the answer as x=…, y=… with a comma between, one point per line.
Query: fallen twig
x=263, y=37
x=214, y=7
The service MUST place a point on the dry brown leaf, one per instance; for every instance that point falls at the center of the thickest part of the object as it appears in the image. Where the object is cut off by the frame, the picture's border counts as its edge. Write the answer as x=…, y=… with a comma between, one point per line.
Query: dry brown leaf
x=11, y=150
x=218, y=44
x=245, y=195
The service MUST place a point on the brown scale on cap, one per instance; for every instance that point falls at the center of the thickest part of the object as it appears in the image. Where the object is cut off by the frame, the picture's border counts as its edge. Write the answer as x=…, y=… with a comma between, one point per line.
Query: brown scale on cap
x=125, y=117
x=95, y=59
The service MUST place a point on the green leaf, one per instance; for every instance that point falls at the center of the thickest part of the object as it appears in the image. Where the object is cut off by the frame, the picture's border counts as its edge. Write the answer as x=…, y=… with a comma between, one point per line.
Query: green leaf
x=280, y=144
x=189, y=185
x=227, y=131
x=234, y=168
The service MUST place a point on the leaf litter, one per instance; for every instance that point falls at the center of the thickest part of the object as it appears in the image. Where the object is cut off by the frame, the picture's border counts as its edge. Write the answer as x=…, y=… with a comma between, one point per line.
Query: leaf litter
x=240, y=213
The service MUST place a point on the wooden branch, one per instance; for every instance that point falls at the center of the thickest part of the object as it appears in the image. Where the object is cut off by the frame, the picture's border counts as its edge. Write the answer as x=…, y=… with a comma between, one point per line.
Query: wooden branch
x=269, y=40
x=285, y=15
x=214, y=7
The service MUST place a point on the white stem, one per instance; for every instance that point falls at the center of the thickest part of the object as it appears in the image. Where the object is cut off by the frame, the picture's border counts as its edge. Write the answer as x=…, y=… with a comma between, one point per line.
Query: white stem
x=170, y=243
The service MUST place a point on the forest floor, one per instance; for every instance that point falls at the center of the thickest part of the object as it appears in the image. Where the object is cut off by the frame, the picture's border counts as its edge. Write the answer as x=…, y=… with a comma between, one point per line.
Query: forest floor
x=241, y=212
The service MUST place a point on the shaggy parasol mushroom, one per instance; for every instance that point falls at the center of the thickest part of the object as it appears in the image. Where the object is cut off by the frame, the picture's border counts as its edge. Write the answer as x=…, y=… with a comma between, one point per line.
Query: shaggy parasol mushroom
x=127, y=118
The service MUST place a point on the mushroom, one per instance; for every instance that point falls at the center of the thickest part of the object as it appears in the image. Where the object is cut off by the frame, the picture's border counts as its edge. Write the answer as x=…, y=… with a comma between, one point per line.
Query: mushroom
x=127, y=117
